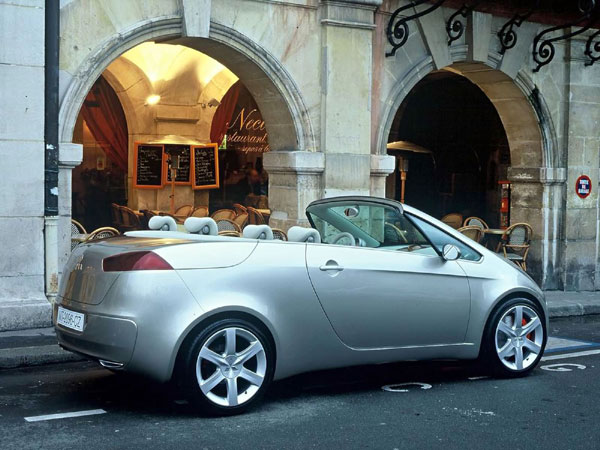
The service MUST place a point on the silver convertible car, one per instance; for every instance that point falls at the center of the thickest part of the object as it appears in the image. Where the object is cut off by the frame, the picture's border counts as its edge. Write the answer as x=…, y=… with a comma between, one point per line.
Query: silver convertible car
x=373, y=281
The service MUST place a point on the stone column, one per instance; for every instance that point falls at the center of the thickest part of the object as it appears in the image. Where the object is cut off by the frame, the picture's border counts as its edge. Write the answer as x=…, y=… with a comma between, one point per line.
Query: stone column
x=346, y=82
x=381, y=167
x=294, y=182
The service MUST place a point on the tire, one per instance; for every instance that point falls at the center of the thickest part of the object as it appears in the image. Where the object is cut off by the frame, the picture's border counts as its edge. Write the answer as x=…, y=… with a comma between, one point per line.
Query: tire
x=225, y=379
x=508, y=350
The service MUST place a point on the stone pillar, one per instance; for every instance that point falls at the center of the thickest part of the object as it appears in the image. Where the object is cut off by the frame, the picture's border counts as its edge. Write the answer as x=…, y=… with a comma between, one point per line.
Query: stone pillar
x=346, y=82
x=69, y=156
x=381, y=167
x=294, y=182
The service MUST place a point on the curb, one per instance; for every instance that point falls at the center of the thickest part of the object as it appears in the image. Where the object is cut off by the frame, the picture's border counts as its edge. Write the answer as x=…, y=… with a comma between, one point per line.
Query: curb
x=573, y=309
x=11, y=358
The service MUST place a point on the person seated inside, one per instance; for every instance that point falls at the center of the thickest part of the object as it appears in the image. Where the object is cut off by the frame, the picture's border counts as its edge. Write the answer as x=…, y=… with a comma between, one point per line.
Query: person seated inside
x=250, y=184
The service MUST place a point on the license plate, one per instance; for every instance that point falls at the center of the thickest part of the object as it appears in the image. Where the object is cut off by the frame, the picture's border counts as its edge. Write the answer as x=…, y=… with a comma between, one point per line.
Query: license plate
x=70, y=319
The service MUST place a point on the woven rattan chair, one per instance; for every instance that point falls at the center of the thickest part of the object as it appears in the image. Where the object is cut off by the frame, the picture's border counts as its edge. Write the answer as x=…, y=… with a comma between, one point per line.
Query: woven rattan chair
x=131, y=221
x=103, y=232
x=115, y=213
x=77, y=231
x=255, y=217
x=228, y=214
x=475, y=222
x=184, y=210
x=241, y=220
x=230, y=233
x=454, y=220
x=200, y=211
x=239, y=209
x=515, y=243
x=227, y=225
x=279, y=234
x=472, y=232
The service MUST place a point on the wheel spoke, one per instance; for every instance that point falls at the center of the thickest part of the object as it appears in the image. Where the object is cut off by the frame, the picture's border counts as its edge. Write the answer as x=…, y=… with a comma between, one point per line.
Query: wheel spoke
x=232, y=393
x=531, y=326
x=506, y=329
x=506, y=350
x=518, y=317
x=230, y=341
x=211, y=382
x=252, y=377
x=532, y=346
x=211, y=356
x=519, y=357
x=253, y=349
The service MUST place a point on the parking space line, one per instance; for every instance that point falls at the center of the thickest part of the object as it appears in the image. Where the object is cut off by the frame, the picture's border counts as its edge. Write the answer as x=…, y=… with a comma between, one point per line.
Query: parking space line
x=571, y=355
x=89, y=412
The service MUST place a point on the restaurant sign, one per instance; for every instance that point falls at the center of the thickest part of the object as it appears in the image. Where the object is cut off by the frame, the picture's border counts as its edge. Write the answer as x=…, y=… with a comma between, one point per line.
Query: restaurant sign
x=246, y=131
x=583, y=186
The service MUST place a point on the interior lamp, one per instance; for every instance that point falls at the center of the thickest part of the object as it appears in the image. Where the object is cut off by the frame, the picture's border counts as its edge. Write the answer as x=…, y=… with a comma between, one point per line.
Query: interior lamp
x=152, y=99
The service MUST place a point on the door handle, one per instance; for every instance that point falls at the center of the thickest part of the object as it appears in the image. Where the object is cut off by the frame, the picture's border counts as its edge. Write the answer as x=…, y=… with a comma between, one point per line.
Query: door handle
x=333, y=267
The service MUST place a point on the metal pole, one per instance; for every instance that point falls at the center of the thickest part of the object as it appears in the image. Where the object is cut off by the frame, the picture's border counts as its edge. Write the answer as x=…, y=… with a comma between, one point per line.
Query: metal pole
x=51, y=39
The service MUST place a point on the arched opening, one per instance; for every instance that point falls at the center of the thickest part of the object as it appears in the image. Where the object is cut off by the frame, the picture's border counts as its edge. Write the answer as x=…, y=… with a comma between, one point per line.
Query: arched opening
x=462, y=152
x=170, y=98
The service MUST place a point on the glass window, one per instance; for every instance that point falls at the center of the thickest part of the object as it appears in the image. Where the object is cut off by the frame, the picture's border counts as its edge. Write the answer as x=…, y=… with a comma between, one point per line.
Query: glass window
x=367, y=224
x=440, y=238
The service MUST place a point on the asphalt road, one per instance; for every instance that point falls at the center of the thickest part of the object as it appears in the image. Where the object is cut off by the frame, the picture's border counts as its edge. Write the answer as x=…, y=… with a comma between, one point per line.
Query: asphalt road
x=556, y=408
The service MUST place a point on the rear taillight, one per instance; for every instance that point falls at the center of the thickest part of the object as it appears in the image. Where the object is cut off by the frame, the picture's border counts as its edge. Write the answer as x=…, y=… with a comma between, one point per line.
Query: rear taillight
x=134, y=261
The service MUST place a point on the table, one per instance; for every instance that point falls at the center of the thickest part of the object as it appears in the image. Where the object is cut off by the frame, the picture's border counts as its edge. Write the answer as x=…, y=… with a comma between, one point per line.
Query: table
x=492, y=236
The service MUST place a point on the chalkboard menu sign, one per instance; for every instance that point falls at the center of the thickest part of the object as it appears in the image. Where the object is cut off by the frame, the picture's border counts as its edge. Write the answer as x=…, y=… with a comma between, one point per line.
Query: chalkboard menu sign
x=148, y=164
x=205, y=166
x=184, y=172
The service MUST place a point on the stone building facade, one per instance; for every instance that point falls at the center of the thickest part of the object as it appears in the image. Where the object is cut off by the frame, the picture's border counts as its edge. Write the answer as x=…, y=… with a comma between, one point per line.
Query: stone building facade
x=328, y=94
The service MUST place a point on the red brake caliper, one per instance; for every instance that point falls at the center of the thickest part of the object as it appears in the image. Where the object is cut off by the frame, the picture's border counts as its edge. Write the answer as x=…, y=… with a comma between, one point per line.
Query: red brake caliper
x=523, y=323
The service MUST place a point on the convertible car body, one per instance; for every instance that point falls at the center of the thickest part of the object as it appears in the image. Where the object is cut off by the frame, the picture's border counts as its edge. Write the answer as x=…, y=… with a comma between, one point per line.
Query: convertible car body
x=373, y=281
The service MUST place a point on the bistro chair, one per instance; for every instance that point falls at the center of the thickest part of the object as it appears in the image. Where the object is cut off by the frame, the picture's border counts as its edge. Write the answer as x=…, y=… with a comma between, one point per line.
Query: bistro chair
x=147, y=215
x=230, y=233
x=453, y=220
x=239, y=209
x=227, y=225
x=131, y=221
x=472, y=232
x=228, y=214
x=103, y=232
x=115, y=213
x=279, y=234
x=515, y=243
x=255, y=217
x=241, y=220
x=184, y=211
x=77, y=233
x=475, y=222
x=200, y=211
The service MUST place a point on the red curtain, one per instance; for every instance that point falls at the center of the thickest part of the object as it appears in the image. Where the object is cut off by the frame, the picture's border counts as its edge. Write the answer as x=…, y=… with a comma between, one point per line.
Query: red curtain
x=222, y=116
x=105, y=118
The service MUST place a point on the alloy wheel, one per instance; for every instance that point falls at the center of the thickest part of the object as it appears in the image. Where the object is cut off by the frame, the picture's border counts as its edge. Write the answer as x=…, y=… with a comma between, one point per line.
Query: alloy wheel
x=519, y=337
x=231, y=366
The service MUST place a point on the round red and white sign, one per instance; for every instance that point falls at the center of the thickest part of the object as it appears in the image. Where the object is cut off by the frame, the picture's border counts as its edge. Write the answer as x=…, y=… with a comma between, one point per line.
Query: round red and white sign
x=583, y=186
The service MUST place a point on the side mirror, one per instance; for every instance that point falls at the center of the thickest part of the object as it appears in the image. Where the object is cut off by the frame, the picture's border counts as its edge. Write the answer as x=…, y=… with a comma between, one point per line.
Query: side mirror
x=450, y=252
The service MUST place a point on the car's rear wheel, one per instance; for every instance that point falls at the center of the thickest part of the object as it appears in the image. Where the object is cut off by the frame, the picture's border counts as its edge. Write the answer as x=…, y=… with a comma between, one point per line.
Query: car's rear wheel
x=229, y=365
x=515, y=338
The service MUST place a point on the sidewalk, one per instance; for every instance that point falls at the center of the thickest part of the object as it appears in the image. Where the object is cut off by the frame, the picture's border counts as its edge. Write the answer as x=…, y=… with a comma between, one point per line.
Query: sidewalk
x=38, y=346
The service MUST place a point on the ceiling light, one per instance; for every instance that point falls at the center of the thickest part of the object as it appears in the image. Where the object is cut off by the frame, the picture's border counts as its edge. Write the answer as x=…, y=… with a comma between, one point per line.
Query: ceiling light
x=152, y=99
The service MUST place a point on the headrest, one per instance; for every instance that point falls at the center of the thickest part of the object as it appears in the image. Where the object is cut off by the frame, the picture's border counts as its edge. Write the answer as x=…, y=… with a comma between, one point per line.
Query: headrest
x=162, y=223
x=301, y=234
x=263, y=232
x=201, y=225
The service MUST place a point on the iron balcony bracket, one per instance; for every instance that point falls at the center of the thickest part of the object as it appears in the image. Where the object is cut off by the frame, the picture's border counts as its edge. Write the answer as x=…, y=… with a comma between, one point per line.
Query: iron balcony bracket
x=543, y=46
x=397, y=29
x=592, y=49
x=507, y=34
x=455, y=27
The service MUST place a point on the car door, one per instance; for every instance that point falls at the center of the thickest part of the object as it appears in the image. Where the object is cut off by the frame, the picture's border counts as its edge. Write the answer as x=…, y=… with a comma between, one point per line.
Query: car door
x=396, y=294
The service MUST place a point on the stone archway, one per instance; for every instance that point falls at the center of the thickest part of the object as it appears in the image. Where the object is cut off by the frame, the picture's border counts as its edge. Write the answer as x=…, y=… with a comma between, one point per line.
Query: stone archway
x=536, y=180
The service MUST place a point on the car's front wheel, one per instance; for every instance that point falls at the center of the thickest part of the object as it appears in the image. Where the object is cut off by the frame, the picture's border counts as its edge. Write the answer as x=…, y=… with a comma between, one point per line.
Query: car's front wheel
x=229, y=365
x=515, y=338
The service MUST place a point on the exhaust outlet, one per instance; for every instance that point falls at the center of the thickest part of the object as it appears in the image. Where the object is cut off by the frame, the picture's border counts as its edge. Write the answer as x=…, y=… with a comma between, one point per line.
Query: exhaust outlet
x=110, y=364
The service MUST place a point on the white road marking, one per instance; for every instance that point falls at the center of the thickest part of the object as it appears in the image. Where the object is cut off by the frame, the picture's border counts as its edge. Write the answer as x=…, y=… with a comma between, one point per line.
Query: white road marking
x=89, y=412
x=400, y=386
x=563, y=367
x=571, y=355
